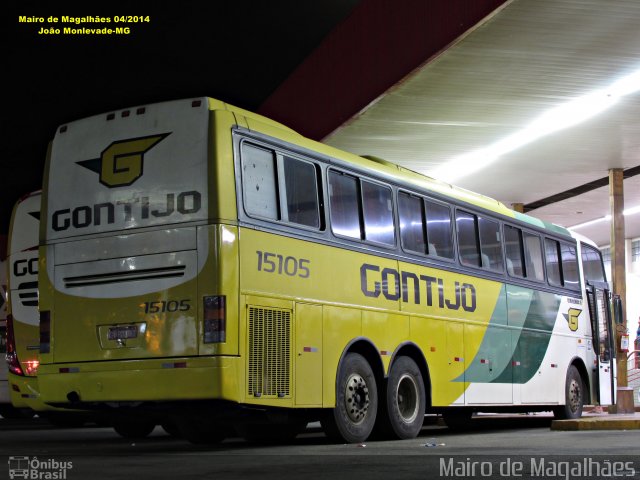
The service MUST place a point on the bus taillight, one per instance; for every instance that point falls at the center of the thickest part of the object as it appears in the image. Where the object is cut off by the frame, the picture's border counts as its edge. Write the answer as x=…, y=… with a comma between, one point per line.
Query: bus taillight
x=215, y=319
x=12, y=355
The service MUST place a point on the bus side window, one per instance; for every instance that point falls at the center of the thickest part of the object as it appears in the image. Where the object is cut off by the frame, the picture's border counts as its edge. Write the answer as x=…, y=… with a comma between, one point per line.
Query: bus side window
x=301, y=192
x=439, y=229
x=533, y=257
x=569, y=259
x=377, y=209
x=592, y=264
x=551, y=249
x=343, y=198
x=490, y=245
x=514, y=250
x=259, y=181
x=467, y=238
x=412, y=228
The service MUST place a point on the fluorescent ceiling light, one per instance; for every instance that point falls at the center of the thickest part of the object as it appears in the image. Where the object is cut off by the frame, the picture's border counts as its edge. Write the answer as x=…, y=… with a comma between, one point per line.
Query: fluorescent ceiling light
x=606, y=218
x=558, y=118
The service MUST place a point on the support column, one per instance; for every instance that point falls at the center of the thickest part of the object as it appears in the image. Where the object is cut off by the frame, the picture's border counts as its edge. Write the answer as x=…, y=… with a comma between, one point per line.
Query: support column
x=618, y=272
x=518, y=207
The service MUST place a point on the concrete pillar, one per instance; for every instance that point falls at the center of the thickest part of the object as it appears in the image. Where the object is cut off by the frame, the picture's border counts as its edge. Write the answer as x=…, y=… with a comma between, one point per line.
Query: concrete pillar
x=618, y=272
x=518, y=207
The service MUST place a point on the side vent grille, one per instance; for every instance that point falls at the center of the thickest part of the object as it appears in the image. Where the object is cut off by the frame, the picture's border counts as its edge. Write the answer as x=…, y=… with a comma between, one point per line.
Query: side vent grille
x=269, y=352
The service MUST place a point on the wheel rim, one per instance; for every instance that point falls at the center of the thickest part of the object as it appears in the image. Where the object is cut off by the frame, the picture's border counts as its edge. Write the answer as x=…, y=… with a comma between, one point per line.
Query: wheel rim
x=356, y=398
x=407, y=398
x=575, y=395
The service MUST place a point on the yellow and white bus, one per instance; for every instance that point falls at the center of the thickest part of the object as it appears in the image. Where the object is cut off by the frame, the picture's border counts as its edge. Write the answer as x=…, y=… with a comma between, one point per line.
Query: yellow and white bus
x=206, y=264
x=23, y=335
x=22, y=322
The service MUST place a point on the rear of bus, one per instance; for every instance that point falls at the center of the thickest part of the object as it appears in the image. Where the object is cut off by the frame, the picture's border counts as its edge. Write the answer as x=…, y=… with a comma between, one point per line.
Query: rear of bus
x=139, y=270
x=23, y=335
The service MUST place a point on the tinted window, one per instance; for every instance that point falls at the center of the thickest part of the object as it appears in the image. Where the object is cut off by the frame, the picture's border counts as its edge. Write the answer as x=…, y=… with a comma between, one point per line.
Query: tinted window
x=343, y=197
x=439, y=230
x=592, y=264
x=551, y=248
x=514, y=248
x=377, y=208
x=467, y=238
x=533, y=257
x=490, y=244
x=259, y=178
x=301, y=192
x=412, y=234
x=569, y=266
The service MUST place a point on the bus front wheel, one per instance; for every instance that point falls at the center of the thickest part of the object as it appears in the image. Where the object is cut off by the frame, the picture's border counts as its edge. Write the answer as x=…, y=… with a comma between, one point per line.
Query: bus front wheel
x=573, y=396
x=354, y=416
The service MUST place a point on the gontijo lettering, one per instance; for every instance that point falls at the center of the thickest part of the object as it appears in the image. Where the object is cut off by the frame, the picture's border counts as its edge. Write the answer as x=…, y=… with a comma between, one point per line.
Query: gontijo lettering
x=393, y=284
x=135, y=209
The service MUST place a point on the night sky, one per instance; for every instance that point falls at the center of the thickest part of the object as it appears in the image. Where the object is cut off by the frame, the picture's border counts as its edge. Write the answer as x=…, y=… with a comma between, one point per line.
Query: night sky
x=236, y=51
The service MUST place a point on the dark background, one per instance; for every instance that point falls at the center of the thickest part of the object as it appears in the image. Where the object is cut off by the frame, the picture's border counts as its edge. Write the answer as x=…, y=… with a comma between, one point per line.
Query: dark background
x=236, y=51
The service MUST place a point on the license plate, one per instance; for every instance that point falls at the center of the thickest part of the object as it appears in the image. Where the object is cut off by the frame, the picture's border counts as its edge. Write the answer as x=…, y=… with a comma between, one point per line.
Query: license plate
x=122, y=332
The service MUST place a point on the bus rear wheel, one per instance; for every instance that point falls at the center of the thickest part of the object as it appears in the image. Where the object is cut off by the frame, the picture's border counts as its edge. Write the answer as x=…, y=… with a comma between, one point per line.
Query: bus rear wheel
x=405, y=400
x=354, y=416
x=202, y=431
x=134, y=429
x=573, y=396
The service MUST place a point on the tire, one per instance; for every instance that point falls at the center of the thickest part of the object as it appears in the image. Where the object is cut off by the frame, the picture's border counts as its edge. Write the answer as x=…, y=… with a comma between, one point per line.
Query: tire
x=404, y=404
x=574, y=396
x=171, y=429
x=133, y=429
x=202, y=433
x=354, y=416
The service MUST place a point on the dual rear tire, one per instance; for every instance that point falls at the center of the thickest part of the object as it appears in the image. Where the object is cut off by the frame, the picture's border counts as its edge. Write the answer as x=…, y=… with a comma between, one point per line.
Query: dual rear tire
x=398, y=414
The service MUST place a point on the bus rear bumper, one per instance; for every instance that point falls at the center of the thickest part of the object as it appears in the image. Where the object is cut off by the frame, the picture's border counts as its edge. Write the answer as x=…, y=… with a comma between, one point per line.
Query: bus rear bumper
x=24, y=392
x=155, y=381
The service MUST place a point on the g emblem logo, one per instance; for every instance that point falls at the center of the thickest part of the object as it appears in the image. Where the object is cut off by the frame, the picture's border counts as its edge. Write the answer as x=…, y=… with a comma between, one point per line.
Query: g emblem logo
x=572, y=318
x=121, y=163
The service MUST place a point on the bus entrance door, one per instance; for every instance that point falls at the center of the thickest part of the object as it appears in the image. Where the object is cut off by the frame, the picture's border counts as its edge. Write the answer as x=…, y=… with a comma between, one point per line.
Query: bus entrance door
x=598, y=296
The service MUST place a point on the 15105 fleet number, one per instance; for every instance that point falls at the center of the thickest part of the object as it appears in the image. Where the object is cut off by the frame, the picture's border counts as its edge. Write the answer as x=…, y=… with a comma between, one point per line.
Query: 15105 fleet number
x=283, y=265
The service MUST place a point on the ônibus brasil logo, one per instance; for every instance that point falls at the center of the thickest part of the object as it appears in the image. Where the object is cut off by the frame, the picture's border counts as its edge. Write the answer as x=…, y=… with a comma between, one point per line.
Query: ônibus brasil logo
x=35, y=469
x=121, y=163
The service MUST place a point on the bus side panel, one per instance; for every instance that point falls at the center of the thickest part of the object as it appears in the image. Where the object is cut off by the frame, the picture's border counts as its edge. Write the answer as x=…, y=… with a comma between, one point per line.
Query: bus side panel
x=308, y=355
x=340, y=325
